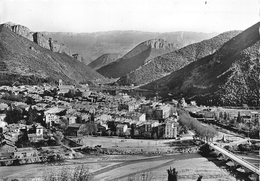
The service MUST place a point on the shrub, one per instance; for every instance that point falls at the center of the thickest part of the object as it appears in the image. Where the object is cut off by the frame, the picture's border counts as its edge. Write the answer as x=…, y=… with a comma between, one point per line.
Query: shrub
x=79, y=173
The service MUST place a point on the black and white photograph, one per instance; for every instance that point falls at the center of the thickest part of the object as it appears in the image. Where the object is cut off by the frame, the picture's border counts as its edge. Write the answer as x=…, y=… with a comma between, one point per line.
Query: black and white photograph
x=129, y=90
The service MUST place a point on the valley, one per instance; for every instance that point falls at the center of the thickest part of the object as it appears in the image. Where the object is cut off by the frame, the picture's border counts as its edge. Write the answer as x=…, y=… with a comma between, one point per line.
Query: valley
x=129, y=105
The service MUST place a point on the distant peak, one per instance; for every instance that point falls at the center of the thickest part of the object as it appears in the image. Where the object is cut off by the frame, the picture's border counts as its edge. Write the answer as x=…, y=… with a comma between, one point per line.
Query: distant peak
x=16, y=27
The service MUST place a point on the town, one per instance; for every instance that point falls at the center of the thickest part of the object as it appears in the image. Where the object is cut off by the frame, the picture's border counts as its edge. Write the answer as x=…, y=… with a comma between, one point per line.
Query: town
x=84, y=119
x=32, y=115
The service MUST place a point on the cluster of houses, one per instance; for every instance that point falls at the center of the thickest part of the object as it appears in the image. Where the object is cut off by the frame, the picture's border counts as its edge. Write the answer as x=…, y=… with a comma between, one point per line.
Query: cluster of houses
x=106, y=114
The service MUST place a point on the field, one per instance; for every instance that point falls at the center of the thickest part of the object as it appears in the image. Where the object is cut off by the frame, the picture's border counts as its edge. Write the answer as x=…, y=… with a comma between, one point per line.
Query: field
x=136, y=166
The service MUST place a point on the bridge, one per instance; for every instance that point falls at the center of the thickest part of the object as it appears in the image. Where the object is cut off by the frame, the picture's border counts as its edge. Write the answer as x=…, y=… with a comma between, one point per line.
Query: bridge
x=237, y=160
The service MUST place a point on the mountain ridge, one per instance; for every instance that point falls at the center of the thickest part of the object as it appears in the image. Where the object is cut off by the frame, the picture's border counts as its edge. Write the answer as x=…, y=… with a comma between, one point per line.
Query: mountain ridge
x=230, y=76
x=37, y=37
x=21, y=58
x=172, y=61
x=139, y=55
x=120, y=41
x=104, y=60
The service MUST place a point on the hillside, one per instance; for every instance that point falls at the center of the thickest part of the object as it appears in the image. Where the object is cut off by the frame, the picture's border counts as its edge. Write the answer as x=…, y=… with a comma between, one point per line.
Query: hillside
x=173, y=61
x=39, y=38
x=136, y=57
x=25, y=61
x=99, y=43
x=230, y=76
x=104, y=60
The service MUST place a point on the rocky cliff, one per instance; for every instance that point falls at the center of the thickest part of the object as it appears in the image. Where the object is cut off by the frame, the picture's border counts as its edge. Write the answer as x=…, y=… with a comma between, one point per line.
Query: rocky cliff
x=38, y=38
x=138, y=56
x=121, y=42
x=29, y=63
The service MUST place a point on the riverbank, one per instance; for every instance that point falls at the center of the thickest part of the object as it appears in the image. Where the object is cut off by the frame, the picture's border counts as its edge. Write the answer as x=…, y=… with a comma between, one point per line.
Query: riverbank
x=122, y=167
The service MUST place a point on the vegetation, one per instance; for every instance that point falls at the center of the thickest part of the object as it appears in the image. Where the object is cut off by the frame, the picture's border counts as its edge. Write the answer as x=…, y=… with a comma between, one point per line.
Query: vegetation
x=175, y=60
x=172, y=174
x=12, y=97
x=38, y=65
x=230, y=76
x=88, y=128
x=13, y=115
x=79, y=173
x=187, y=122
x=243, y=85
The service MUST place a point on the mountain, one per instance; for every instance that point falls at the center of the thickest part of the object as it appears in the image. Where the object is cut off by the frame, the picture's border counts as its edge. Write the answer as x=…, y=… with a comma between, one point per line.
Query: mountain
x=230, y=76
x=173, y=61
x=27, y=62
x=136, y=57
x=93, y=45
x=39, y=38
x=104, y=60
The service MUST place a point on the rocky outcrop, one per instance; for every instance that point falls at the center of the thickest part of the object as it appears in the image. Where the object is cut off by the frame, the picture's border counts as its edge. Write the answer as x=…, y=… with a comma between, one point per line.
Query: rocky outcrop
x=160, y=44
x=162, y=65
x=77, y=56
x=20, y=30
x=38, y=38
x=121, y=42
x=137, y=57
x=27, y=62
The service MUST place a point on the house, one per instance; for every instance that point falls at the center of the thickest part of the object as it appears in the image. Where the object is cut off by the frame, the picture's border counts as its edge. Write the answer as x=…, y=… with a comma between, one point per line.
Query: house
x=104, y=117
x=64, y=88
x=50, y=115
x=73, y=130
x=3, y=106
x=170, y=129
x=39, y=130
x=2, y=120
x=72, y=119
x=142, y=117
x=102, y=128
x=121, y=129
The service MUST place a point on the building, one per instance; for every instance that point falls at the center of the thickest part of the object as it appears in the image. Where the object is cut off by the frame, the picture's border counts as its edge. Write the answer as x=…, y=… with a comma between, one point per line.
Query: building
x=72, y=119
x=170, y=129
x=51, y=116
x=142, y=117
x=64, y=88
x=73, y=130
x=121, y=129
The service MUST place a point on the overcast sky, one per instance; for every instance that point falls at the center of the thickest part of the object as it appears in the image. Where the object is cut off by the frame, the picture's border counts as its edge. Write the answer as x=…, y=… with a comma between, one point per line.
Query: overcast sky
x=143, y=15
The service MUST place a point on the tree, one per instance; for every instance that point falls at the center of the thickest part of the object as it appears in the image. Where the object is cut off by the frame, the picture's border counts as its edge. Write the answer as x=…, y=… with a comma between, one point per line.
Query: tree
x=127, y=133
x=30, y=101
x=239, y=119
x=199, y=179
x=154, y=136
x=23, y=140
x=58, y=136
x=172, y=174
x=149, y=113
x=13, y=115
x=88, y=128
x=109, y=132
x=32, y=115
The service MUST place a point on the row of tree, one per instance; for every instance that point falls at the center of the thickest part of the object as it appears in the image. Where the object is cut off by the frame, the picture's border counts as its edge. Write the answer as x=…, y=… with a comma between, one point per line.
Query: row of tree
x=187, y=122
